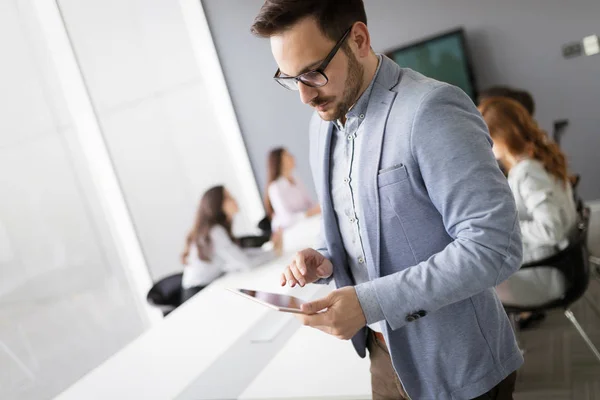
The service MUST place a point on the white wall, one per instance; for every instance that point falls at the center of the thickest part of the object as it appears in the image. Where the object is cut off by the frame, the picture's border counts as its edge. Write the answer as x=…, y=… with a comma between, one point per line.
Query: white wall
x=62, y=286
x=158, y=118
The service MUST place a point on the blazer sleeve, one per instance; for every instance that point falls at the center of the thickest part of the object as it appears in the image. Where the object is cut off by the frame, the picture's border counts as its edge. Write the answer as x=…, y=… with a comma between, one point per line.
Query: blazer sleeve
x=452, y=148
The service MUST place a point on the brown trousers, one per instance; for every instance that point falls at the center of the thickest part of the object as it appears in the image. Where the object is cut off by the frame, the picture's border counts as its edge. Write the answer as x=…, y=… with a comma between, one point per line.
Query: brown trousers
x=386, y=385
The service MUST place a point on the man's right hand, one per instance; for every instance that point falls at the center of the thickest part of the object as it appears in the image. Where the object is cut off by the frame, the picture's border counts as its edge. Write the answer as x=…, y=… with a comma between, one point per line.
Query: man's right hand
x=308, y=266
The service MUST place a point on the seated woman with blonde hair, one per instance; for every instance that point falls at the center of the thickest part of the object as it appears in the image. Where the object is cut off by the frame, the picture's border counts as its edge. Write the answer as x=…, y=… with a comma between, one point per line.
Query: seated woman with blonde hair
x=537, y=175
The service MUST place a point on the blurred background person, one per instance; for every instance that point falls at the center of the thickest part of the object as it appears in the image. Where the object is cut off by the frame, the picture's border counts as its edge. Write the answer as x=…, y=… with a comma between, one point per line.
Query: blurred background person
x=211, y=249
x=537, y=175
x=521, y=96
x=286, y=199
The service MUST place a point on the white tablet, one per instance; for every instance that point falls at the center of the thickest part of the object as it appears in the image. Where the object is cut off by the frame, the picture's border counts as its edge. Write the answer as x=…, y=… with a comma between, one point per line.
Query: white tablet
x=279, y=302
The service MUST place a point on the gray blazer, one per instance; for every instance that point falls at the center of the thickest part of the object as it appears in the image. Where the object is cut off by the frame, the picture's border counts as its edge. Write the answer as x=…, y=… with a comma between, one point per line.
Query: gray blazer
x=440, y=230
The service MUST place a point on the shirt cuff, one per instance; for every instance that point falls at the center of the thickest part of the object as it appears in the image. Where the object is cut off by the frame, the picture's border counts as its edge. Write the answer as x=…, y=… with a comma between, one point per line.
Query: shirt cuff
x=369, y=303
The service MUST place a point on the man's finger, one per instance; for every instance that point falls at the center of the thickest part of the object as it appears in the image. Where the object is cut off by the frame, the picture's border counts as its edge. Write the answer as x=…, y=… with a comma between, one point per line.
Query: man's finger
x=299, y=277
x=290, y=280
x=321, y=272
x=283, y=279
x=317, y=305
x=319, y=321
x=300, y=263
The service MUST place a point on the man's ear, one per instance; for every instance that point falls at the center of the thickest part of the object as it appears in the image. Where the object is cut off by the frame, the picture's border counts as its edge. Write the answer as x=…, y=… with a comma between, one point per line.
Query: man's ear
x=360, y=39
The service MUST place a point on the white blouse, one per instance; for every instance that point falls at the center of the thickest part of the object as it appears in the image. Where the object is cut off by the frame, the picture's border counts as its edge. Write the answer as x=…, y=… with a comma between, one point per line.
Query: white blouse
x=226, y=257
x=290, y=202
x=547, y=216
x=547, y=212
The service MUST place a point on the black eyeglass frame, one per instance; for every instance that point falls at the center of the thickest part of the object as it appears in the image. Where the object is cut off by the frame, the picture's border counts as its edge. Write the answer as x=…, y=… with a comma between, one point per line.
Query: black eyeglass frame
x=319, y=70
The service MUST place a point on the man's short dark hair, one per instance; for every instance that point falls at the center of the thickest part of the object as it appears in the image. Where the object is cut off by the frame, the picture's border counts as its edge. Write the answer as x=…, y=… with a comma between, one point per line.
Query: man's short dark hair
x=521, y=96
x=333, y=17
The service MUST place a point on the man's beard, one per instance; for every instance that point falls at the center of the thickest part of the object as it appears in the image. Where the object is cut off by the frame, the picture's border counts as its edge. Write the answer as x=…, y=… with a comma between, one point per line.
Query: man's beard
x=351, y=88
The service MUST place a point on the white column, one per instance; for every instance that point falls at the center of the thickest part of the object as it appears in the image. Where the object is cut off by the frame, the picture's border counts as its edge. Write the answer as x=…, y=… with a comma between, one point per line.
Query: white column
x=98, y=161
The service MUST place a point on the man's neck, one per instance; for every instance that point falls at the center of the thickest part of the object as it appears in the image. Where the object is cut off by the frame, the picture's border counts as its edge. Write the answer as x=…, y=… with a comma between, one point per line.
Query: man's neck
x=370, y=65
x=370, y=69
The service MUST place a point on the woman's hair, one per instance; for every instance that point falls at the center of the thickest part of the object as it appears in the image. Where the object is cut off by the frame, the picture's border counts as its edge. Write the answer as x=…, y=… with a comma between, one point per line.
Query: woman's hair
x=521, y=96
x=510, y=122
x=210, y=213
x=275, y=169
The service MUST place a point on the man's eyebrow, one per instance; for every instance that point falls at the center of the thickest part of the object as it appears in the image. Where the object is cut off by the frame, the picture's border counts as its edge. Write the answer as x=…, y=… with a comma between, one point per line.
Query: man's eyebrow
x=305, y=69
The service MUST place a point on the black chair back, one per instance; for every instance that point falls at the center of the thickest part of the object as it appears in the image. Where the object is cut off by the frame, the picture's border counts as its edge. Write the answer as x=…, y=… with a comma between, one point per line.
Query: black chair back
x=265, y=226
x=166, y=292
x=246, y=242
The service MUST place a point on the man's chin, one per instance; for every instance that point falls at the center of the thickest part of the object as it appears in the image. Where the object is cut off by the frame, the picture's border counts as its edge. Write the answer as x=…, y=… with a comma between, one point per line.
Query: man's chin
x=328, y=115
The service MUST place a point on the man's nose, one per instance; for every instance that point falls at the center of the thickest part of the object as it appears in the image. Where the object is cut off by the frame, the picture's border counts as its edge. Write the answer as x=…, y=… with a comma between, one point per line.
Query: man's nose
x=307, y=93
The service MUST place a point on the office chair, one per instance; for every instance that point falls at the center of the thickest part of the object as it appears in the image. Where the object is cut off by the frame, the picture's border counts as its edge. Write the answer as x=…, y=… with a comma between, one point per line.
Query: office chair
x=560, y=126
x=166, y=293
x=258, y=240
x=246, y=242
x=574, y=263
x=265, y=226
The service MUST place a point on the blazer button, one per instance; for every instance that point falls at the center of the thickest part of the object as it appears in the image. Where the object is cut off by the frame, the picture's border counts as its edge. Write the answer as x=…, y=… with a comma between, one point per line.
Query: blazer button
x=410, y=318
x=422, y=313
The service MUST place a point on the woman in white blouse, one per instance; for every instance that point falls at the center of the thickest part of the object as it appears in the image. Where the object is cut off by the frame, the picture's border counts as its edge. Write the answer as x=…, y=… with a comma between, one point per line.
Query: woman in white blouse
x=537, y=175
x=211, y=250
x=286, y=200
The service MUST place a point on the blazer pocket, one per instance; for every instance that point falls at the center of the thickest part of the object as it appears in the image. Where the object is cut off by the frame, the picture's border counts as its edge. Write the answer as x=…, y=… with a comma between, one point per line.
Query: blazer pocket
x=389, y=176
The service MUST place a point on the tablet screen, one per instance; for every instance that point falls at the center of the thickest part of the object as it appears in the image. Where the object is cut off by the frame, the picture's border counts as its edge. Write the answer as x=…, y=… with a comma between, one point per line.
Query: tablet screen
x=277, y=300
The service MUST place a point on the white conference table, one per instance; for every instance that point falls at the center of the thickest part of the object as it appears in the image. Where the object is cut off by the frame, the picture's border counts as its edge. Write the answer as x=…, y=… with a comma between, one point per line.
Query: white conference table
x=313, y=365
x=219, y=345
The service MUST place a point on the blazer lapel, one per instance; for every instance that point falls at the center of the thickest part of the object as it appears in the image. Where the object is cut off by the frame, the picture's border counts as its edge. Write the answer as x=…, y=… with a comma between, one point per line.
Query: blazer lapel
x=370, y=155
x=326, y=135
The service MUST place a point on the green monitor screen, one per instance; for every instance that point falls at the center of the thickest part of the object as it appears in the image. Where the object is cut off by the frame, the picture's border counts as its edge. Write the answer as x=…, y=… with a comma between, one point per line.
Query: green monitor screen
x=443, y=57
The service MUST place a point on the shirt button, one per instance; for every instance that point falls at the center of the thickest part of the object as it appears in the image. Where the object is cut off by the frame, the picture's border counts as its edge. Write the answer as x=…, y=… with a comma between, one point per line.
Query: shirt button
x=361, y=116
x=346, y=180
x=352, y=220
x=350, y=137
x=361, y=260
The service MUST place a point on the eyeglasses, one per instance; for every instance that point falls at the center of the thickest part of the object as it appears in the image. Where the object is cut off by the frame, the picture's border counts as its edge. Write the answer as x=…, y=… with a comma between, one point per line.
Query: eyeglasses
x=314, y=78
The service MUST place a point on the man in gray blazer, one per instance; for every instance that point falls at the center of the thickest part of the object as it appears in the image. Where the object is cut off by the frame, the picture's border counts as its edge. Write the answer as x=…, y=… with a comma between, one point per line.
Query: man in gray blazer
x=419, y=224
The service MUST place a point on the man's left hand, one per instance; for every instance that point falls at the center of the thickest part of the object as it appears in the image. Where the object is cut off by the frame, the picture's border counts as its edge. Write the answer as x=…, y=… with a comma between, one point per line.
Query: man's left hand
x=339, y=314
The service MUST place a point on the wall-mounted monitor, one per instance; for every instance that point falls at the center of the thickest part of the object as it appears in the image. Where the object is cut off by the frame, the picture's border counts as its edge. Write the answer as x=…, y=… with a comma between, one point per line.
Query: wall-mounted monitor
x=443, y=57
